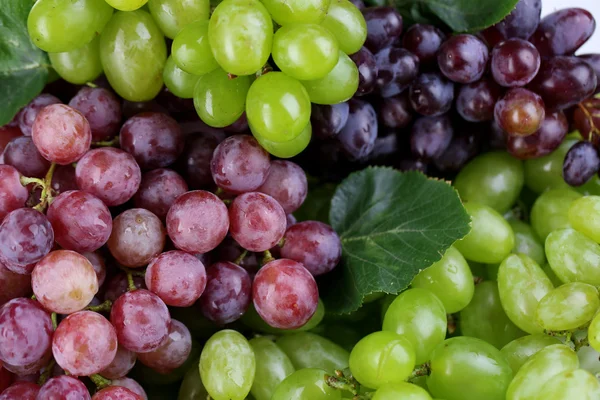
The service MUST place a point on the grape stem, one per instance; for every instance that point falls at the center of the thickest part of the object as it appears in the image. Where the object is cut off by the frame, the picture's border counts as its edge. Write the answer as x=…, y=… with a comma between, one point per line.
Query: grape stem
x=100, y=381
x=343, y=381
x=104, y=307
x=581, y=342
x=91, y=84
x=281, y=242
x=421, y=370
x=451, y=323
x=267, y=257
x=54, y=321
x=107, y=143
x=44, y=376
x=46, y=185
x=239, y=260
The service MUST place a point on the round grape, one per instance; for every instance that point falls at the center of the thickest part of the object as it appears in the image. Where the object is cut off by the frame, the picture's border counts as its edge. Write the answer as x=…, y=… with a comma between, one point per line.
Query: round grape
x=563, y=31
x=384, y=26
x=328, y=120
x=395, y=112
x=522, y=20
x=463, y=58
x=520, y=112
x=158, y=190
x=101, y=108
x=367, y=70
x=581, y=163
x=286, y=12
x=475, y=101
x=431, y=136
x=121, y=365
x=397, y=69
x=357, y=137
x=20, y=391
x=337, y=86
x=515, y=62
x=431, y=94
x=191, y=51
x=13, y=285
x=13, y=195
x=347, y=24
x=132, y=385
x=64, y=387
x=27, y=115
x=173, y=353
x=305, y=384
x=22, y=154
x=286, y=183
x=116, y=393
x=424, y=41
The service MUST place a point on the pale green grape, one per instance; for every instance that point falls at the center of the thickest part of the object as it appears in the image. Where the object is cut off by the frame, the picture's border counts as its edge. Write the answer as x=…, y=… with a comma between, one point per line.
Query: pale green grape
x=307, y=350
x=57, y=26
x=286, y=12
x=584, y=216
x=485, y=319
x=306, y=384
x=348, y=25
x=191, y=51
x=287, y=149
x=494, y=179
x=78, y=66
x=573, y=256
x=133, y=54
x=594, y=333
x=127, y=5
x=568, y=307
x=545, y=172
x=272, y=367
x=520, y=350
x=401, y=391
x=491, y=238
x=254, y=321
x=551, y=211
x=277, y=107
x=337, y=86
x=450, y=279
x=240, y=34
x=220, y=100
x=464, y=368
x=227, y=366
x=569, y=385
x=380, y=358
x=179, y=82
x=527, y=241
x=589, y=359
x=192, y=387
x=591, y=187
x=522, y=284
x=418, y=316
x=172, y=15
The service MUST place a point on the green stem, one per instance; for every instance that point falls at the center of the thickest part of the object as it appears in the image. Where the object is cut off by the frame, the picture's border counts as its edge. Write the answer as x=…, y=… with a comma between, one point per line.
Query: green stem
x=100, y=381
x=133, y=272
x=47, y=372
x=239, y=260
x=130, y=283
x=91, y=84
x=579, y=343
x=37, y=181
x=281, y=242
x=342, y=382
x=46, y=196
x=267, y=257
x=104, y=307
x=54, y=321
x=451, y=323
x=33, y=297
x=107, y=143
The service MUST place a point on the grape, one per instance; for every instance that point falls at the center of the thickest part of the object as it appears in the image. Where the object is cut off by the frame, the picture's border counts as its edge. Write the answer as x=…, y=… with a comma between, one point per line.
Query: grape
x=286, y=182
x=337, y=86
x=132, y=385
x=118, y=285
x=257, y=221
x=110, y=174
x=64, y=282
x=272, y=367
x=522, y=21
x=520, y=112
x=520, y=350
x=22, y=154
x=172, y=15
x=178, y=278
x=395, y=112
x=286, y=12
x=116, y=393
x=593, y=61
x=564, y=81
x=464, y=362
x=26, y=236
x=158, y=190
x=240, y=34
x=12, y=194
x=101, y=108
x=527, y=241
x=191, y=51
x=197, y=222
x=584, y=216
x=431, y=94
x=462, y=58
x=227, y=366
x=423, y=41
x=328, y=120
x=290, y=148
x=581, y=163
x=475, y=101
x=550, y=211
x=133, y=55
x=80, y=65
x=358, y=136
x=347, y=24
x=576, y=384
x=179, y=82
x=397, y=69
x=568, y=307
x=13, y=285
x=196, y=160
x=172, y=353
x=515, y=62
x=192, y=386
x=136, y=238
x=462, y=148
x=20, y=391
x=430, y=136
x=384, y=26
x=546, y=139
x=154, y=139
x=64, y=387
x=308, y=350
x=57, y=25
x=546, y=172
x=573, y=256
x=367, y=70
x=8, y=133
x=27, y=115
x=63, y=179
x=306, y=384
x=401, y=390
x=121, y=364
x=563, y=32
x=127, y=5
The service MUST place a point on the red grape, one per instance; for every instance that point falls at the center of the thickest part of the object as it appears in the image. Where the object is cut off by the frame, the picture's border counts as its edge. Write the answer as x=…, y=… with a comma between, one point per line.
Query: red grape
x=395, y=112
x=21, y=391
x=515, y=62
x=424, y=41
x=8, y=133
x=64, y=387
x=132, y=385
x=521, y=22
x=544, y=141
x=101, y=108
x=158, y=191
x=431, y=94
x=13, y=285
x=13, y=195
x=520, y=112
x=121, y=365
x=384, y=26
x=196, y=159
x=63, y=179
x=30, y=111
x=563, y=32
x=22, y=154
x=593, y=61
x=98, y=264
x=463, y=58
x=116, y=393
x=172, y=353
x=287, y=184
x=476, y=101
x=119, y=285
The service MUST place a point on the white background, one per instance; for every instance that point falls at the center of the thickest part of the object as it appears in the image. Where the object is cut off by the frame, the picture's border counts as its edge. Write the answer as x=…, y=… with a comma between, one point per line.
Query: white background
x=593, y=6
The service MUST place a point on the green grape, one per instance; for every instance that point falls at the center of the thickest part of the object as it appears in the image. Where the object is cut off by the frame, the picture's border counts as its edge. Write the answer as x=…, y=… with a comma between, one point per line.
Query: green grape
x=306, y=51
x=286, y=12
x=306, y=384
x=591, y=187
x=520, y=350
x=133, y=54
x=551, y=275
x=277, y=107
x=287, y=149
x=401, y=391
x=179, y=82
x=584, y=216
x=307, y=350
x=240, y=34
x=594, y=333
x=494, y=179
x=252, y=320
x=172, y=15
x=568, y=307
x=337, y=86
x=386, y=302
x=485, y=319
x=348, y=25
x=272, y=367
x=551, y=211
x=220, y=100
x=57, y=26
x=589, y=359
x=192, y=387
x=418, y=316
x=578, y=384
x=78, y=66
x=380, y=358
x=127, y=5
x=573, y=256
x=545, y=172
x=527, y=241
x=491, y=238
x=227, y=366
x=464, y=368
x=522, y=284
x=450, y=279
x=191, y=50
x=540, y=369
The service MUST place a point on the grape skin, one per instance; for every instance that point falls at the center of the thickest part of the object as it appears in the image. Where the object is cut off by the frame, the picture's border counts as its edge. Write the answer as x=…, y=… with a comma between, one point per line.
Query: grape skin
x=384, y=26
x=121, y=364
x=515, y=62
x=475, y=101
x=118, y=285
x=28, y=114
x=13, y=285
x=286, y=182
x=62, y=386
x=172, y=353
x=520, y=112
x=563, y=31
x=197, y=158
x=12, y=194
x=116, y=393
x=22, y=154
x=158, y=190
x=132, y=385
x=463, y=58
x=102, y=110
x=423, y=41
x=20, y=391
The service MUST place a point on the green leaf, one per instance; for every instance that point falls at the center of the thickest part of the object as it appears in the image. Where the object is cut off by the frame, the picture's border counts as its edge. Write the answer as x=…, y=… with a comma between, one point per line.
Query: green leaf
x=23, y=67
x=392, y=225
x=460, y=15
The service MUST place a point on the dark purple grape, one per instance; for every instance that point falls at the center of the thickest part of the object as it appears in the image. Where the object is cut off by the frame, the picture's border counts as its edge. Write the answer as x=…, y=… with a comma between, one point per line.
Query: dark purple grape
x=564, y=81
x=367, y=71
x=158, y=191
x=520, y=112
x=327, y=121
x=475, y=101
x=594, y=61
x=586, y=118
x=544, y=141
x=431, y=94
x=397, y=69
x=102, y=110
x=358, y=136
x=515, y=62
x=431, y=136
x=497, y=138
x=196, y=159
x=463, y=58
x=384, y=26
x=520, y=23
x=581, y=163
x=395, y=112
x=22, y=154
x=463, y=147
x=563, y=32
x=423, y=41
x=412, y=164
x=28, y=114
x=385, y=151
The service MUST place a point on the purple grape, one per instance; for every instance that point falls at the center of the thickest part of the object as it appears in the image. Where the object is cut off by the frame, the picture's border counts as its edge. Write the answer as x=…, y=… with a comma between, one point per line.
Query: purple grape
x=395, y=112
x=431, y=136
x=475, y=101
x=424, y=41
x=385, y=150
x=173, y=353
x=64, y=388
x=121, y=365
x=13, y=195
x=594, y=61
x=463, y=147
x=28, y=114
x=463, y=58
x=328, y=120
x=431, y=94
x=515, y=62
x=158, y=190
x=101, y=108
x=384, y=26
x=544, y=141
x=196, y=160
x=64, y=179
x=397, y=69
x=520, y=112
x=412, y=164
x=357, y=138
x=563, y=32
x=521, y=22
x=581, y=163
x=287, y=184
x=22, y=154
x=367, y=71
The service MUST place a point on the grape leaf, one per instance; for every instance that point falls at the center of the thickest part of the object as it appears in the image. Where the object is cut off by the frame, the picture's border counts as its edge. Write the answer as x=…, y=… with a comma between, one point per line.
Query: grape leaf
x=23, y=67
x=459, y=15
x=392, y=225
